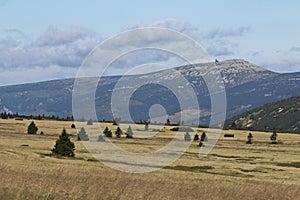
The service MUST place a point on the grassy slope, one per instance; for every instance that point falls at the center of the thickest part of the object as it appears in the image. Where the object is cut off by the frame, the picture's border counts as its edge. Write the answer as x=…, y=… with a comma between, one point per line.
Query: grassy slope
x=282, y=115
x=233, y=170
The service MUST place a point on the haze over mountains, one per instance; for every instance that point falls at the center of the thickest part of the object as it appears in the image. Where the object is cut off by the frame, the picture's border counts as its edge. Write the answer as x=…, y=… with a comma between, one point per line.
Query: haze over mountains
x=247, y=86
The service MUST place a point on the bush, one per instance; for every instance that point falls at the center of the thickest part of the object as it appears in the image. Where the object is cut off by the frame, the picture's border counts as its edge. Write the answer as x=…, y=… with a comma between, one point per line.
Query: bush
x=182, y=129
x=229, y=135
x=73, y=126
x=32, y=128
x=64, y=146
x=89, y=122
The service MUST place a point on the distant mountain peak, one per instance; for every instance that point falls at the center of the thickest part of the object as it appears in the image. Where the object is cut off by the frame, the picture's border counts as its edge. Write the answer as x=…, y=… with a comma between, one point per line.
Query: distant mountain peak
x=241, y=64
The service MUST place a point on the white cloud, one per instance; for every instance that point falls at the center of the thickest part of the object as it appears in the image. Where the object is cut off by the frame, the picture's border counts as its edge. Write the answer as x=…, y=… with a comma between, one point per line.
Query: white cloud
x=56, y=35
x=66, y=47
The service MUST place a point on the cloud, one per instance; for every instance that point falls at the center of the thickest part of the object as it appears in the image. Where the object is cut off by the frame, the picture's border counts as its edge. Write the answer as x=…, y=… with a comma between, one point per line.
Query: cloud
x=295, y=49
x=219, y=51
x=170, y=23
x=256, y=53
x=66, y=47
x=56, y=35
x=229, y=32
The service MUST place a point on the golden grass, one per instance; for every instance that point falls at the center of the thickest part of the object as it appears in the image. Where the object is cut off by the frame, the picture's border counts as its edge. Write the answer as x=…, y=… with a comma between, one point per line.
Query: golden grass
x=232, y=170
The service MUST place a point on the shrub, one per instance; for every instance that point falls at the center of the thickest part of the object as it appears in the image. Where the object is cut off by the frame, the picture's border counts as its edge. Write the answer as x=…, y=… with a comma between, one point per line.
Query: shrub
x=32, y=128
x=73, y=126
x=89, y=122
x=182, y=129
x=228, y=135
x=64, y=146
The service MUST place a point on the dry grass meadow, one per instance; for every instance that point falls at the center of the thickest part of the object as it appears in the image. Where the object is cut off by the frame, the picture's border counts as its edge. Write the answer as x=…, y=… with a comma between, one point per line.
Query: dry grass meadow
x=232, y=170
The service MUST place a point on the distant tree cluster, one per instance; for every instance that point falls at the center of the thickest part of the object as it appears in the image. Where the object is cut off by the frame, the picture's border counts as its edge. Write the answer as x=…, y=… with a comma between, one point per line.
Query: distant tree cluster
x=118, y=132
x=8, y=115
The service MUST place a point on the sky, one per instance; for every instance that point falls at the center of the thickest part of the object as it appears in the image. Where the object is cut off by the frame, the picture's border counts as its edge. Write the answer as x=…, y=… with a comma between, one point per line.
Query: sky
x=45, y=40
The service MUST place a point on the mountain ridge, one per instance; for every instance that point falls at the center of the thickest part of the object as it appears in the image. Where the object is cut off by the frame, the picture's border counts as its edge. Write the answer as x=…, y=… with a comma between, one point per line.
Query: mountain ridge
x=247, y=86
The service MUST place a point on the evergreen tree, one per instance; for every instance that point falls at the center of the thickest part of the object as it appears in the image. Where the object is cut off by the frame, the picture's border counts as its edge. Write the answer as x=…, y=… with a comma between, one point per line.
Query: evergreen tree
x=203, y=137
x=100, y=138
x=168, y=122
x=250, y=136
x=129, y=133
x=32, y=128
x=82, y=135
x=118, y=132
x=201, y=144
x=187, y=136
x=107, y=132
x=274, y=137
x=196, y=137
x=64, y=146
x=146, y=126
x=117, y=121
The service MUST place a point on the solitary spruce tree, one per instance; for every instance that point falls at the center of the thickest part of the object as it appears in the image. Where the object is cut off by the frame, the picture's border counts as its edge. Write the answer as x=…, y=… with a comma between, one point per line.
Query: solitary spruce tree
x=250, y=136
x=32, y=128
x=274, y=138
x=64, y=146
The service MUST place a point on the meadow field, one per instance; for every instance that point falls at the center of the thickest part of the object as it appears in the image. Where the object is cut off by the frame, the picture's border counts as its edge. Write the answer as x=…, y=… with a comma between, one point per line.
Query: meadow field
x=232, y=170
